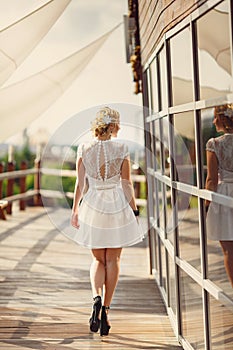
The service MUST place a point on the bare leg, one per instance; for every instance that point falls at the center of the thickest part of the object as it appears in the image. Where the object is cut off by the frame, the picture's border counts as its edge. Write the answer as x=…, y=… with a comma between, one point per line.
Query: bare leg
x=227, y=247
x=97, y=271
x=104, y=272
x=112, y=273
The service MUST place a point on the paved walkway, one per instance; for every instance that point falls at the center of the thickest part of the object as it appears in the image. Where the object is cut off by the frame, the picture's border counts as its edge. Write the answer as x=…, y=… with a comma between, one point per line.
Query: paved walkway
x=45, y=294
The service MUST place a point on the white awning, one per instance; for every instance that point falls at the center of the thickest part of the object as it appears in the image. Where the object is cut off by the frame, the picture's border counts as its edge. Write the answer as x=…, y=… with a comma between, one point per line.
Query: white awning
x=23, y=102
x=214, y=38
x=21, y=37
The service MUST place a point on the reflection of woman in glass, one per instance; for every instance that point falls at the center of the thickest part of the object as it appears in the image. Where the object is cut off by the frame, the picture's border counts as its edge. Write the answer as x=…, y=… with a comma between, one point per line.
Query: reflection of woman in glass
x=219, y=152
x=105, y=219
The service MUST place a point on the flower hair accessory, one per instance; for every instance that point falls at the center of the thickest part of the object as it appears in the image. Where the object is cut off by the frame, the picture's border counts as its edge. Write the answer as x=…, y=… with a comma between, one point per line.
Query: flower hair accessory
x=104, y=117
x=228, y=113
x=107, y=119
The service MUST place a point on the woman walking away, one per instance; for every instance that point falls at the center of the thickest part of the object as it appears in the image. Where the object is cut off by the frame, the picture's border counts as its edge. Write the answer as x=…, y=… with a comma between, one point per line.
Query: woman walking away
x=107, y=218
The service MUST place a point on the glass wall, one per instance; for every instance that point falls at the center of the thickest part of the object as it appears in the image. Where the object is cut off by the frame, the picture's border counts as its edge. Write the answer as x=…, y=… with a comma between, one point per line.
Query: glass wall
x=214, y=52
x=181, y=67
x=188, y=78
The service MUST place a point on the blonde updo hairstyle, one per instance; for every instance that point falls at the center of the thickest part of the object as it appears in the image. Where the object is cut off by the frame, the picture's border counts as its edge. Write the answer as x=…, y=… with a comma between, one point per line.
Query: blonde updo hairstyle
x=105, y=118
x=225, y=113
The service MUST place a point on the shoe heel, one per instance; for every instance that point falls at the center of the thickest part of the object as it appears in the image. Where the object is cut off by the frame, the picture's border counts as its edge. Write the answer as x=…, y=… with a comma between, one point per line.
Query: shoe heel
x=104, y=326
x=94, y=320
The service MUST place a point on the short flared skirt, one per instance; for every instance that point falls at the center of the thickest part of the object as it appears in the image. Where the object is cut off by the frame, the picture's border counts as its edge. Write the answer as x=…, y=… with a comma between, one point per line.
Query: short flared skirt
x=219, y=219
x=107, y=221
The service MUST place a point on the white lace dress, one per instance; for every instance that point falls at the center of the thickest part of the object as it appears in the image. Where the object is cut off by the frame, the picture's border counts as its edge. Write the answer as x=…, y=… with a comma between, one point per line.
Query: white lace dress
x=219, y=218
x=105, y=216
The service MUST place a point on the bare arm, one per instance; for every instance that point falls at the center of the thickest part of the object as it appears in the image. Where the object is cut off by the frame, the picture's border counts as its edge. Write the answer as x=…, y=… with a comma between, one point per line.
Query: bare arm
x=212, y=172
x=127, y=184
x=78, y=192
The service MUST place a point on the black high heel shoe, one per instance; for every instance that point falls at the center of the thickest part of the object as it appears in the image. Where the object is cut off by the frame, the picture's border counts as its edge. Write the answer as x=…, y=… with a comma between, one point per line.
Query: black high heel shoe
x=94, y=320
x=104, y=326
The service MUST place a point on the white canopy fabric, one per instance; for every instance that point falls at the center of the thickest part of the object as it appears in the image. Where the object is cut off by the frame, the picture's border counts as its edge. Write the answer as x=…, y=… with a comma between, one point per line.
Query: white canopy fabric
x=20, y=38
x=214, y=38
x=23, y=102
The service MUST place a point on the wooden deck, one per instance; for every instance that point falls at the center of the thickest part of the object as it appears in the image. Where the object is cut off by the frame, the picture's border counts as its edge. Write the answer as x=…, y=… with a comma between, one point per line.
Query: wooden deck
x=45, y=295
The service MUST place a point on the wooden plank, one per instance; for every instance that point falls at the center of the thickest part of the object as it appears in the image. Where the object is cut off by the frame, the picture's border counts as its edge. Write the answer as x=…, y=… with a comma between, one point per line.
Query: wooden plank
x=45, y=296
x=16, y=174
x=26, y=195
x=3, y=206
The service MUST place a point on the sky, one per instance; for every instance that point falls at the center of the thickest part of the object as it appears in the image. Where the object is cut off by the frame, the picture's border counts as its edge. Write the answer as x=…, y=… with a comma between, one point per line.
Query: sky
x=106, y=80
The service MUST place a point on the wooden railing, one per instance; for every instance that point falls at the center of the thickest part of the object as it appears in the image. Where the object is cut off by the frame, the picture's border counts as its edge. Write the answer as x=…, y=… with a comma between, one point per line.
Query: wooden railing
x=11, y=175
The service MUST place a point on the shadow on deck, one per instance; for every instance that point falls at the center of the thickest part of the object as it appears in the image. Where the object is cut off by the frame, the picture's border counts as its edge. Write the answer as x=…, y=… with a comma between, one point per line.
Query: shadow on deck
x=45, y=296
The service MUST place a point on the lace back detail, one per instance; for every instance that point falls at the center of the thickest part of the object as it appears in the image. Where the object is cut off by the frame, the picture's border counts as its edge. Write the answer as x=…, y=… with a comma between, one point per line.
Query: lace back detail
x=102, y=163
x=103, y=159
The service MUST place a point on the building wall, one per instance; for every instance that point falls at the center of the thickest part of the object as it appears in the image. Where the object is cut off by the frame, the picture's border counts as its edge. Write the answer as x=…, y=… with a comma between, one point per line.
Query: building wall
x=187, y=72
x=157, y=17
